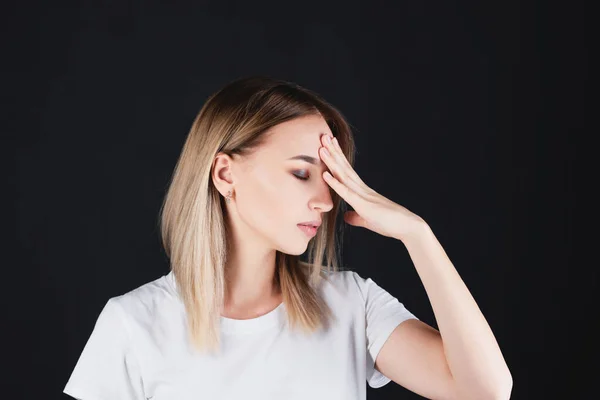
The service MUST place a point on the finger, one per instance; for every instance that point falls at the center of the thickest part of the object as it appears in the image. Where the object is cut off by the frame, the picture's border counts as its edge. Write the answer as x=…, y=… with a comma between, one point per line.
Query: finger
x=337, y=171
x=337, y=162
x=337, y=150
x=353, y=218
x=351, y=172
x=346, y=169
x=344, y=191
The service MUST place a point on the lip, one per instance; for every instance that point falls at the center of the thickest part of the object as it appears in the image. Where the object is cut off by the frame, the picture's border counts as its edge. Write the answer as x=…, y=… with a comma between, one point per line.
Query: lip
x=315, y=223
x=310, y=231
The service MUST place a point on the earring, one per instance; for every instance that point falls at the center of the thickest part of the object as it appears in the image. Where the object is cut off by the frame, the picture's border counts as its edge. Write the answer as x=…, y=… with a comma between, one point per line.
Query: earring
x=228, y=198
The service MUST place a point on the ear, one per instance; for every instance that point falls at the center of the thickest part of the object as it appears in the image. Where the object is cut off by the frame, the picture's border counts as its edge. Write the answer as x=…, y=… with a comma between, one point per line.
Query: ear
x=221, y=173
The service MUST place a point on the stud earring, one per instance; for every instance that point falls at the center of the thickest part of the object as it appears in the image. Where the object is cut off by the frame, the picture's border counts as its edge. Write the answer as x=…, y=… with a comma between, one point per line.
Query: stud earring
x=228, y=198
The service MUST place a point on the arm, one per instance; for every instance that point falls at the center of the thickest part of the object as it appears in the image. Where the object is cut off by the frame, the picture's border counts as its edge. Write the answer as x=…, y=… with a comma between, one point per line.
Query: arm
x=463, y=359
x=460, y=361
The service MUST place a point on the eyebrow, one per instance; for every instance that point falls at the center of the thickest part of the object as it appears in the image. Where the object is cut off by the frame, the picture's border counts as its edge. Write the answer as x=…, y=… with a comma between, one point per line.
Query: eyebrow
x=306, y=158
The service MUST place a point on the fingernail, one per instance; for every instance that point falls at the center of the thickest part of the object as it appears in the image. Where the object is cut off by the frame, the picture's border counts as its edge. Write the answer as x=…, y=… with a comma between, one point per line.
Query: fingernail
x=328, y=138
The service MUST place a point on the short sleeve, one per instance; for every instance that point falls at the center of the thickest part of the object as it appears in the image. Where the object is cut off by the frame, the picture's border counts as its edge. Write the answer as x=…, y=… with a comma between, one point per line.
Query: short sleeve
x=383, y=313
x=107, y=368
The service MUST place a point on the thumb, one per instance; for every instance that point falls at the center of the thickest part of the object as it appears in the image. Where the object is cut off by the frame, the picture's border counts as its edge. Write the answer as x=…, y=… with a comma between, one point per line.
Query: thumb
x=354, y=219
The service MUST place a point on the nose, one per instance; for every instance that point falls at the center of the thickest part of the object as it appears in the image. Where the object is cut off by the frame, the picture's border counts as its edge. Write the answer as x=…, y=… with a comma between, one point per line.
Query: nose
x=322, y=200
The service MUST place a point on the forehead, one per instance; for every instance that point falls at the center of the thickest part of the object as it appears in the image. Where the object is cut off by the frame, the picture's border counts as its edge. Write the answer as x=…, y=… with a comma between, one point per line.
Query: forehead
x=301, y=134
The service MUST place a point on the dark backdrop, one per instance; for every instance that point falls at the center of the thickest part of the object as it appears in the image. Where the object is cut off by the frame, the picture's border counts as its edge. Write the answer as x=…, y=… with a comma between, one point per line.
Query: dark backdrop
x=464, y=112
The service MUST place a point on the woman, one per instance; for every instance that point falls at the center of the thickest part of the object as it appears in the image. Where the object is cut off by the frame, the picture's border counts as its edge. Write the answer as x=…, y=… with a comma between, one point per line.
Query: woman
x=239, y=315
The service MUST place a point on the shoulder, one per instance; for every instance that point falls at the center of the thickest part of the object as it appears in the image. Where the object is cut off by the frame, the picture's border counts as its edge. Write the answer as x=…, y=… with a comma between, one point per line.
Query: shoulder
x=344, y=279
x=339, y=279
x=148, y=301
x=357, y=286
x=343, y=283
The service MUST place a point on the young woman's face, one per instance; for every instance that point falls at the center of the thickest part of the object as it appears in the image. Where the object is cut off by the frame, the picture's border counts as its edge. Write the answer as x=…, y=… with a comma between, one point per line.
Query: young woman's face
x=275, y=192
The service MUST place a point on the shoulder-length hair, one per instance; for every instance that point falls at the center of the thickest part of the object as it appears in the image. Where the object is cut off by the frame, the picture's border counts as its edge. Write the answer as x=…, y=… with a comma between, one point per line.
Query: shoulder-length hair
x=192, y=217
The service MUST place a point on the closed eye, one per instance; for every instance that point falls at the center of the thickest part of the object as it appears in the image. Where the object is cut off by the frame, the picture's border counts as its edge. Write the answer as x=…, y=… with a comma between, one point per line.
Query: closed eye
x=302, y=178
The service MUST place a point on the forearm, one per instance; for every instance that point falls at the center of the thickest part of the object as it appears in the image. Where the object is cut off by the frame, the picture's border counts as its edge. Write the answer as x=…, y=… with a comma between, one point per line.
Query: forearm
x=472, y=353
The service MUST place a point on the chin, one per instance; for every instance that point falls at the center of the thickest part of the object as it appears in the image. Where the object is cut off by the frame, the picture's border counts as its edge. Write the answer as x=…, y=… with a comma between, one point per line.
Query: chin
x=297, y=249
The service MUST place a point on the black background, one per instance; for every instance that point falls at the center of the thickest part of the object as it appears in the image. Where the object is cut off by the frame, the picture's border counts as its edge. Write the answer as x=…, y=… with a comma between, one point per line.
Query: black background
x=464, y=112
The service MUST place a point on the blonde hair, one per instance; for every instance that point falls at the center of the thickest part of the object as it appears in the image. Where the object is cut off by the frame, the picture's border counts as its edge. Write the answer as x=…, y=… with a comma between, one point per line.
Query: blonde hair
x=192, y=217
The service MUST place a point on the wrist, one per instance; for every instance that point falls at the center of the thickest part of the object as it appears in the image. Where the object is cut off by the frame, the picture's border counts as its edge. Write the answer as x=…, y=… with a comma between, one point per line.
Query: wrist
x=418, y=231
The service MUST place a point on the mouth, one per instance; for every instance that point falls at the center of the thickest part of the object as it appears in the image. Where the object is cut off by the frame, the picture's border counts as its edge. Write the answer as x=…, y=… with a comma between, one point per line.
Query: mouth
x=309, y=230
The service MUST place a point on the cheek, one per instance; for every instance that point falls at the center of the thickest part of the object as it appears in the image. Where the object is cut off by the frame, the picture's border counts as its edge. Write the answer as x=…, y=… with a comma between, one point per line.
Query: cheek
x=268, y=201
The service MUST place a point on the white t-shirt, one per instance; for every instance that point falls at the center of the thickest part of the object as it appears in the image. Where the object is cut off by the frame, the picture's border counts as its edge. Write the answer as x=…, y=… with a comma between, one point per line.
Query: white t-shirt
x=139, y=349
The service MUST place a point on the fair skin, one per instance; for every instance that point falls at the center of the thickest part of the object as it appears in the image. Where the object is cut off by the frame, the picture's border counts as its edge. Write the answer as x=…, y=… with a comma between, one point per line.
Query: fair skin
x=268, y=201
x=460, y=361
